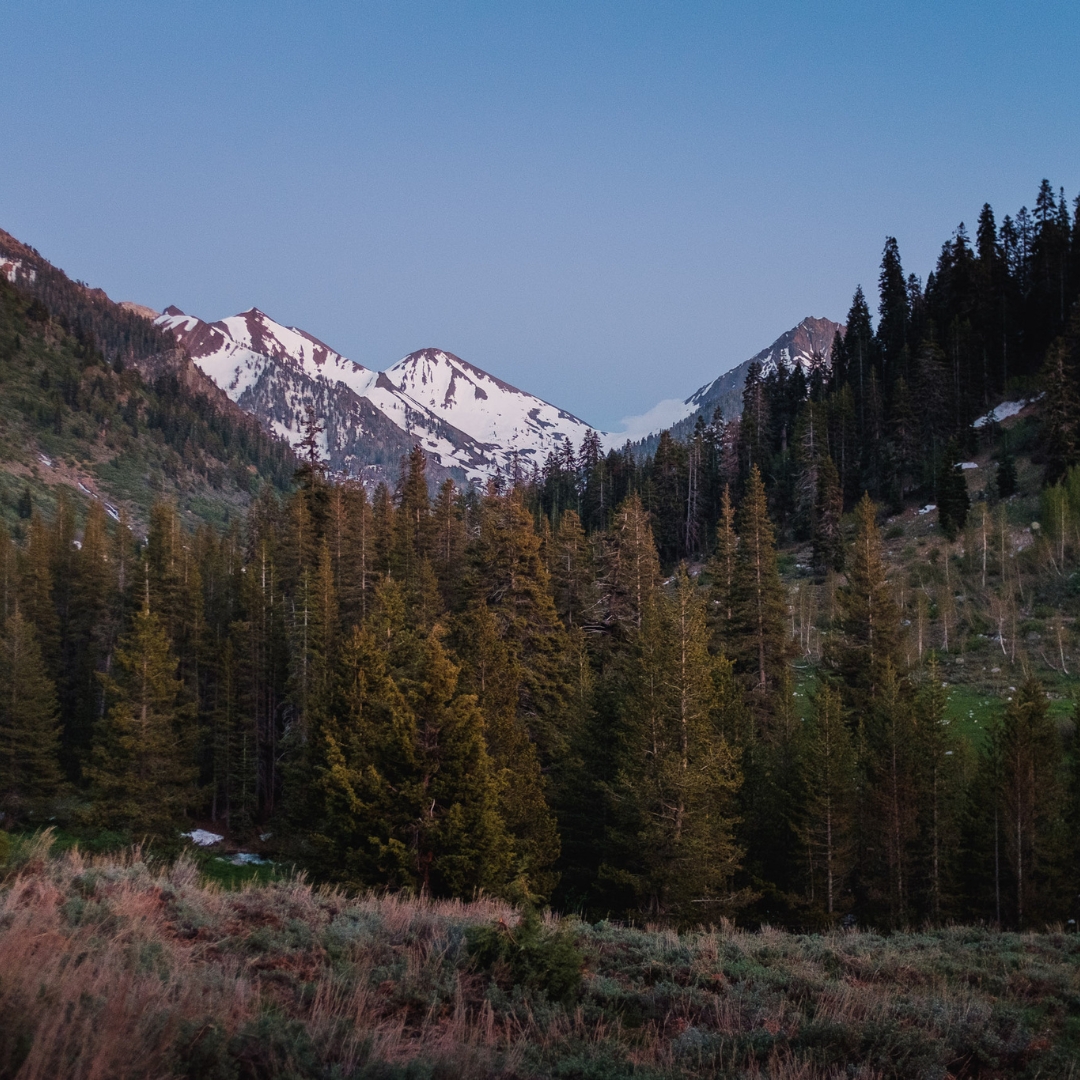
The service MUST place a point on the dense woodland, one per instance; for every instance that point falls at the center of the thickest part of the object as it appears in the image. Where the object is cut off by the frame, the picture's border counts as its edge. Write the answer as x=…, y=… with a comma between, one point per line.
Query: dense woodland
x=995, y=318
x=579, y=685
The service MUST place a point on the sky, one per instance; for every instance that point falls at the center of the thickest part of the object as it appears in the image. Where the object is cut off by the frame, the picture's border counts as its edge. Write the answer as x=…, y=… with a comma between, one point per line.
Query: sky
x=604, y=203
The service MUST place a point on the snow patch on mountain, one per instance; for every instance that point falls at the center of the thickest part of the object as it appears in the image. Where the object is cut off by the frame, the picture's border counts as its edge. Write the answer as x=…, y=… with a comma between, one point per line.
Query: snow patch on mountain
x=502, y=417
x=466, y=420
x=14, y=268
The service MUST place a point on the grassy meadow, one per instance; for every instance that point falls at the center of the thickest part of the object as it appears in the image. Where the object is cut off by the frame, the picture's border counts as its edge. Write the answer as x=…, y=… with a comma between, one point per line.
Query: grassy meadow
x=116, y=965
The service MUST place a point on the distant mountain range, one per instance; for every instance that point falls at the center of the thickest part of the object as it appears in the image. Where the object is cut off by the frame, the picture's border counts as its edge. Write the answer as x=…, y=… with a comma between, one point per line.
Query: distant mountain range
x=470, y=423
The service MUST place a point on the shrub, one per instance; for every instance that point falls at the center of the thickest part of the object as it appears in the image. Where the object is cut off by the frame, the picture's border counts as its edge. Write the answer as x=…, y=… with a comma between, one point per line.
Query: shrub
x=529, y=955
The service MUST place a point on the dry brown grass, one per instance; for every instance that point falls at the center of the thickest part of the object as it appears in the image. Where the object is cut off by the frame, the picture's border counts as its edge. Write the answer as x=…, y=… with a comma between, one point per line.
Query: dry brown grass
x=107, y=964
x=113, y=967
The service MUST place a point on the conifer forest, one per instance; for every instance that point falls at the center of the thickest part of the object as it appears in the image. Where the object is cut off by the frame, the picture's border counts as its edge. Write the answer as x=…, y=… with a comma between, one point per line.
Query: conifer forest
x=676, y=687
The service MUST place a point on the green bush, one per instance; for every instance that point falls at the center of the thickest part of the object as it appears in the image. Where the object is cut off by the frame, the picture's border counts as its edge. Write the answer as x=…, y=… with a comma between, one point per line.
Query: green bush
x=528, y=956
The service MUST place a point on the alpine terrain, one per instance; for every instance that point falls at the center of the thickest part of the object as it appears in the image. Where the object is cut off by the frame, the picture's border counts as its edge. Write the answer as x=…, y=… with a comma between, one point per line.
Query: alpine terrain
x=468, y=422
x=807, y=345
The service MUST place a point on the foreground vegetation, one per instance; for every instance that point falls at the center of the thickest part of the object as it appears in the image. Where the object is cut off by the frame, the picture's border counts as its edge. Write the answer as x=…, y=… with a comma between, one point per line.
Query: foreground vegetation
x=119, y=966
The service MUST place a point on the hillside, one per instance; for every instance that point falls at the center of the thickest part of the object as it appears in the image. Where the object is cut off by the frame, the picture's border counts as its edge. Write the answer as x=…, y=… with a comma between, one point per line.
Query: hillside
x=96, y=401
x=174, y=977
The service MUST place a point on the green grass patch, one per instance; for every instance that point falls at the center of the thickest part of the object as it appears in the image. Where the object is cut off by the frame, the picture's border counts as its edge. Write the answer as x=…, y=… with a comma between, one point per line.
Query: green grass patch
x=971, y=710
x=216, y=868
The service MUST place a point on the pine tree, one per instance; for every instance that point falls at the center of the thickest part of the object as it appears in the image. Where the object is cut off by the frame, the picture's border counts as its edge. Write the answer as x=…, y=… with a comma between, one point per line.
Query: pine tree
x=668, y=502
x=92, y=629
x=573, y=573
x=1060, y=435
x=176, y=592
x=142, y=773
x=412, y=522
x=35, y=592
x=869, y=619
x=382, y=530
x=1030, y=799
x=760, y=646
x=458, y=840
x=827, y=767
x=895, y=313
x=952, y=494
x=890, y=823
x=234, y=774
x=810, y=444
x=722, y=572
x=904, y=448
x=348, y=537
x=941, y=790
x=359, y=831
x=507, y=573
x=29, y=724
x=632, y=567
x=827, y=539
x=448, y=539
x=861, y=353
x=489, y=672
x=678, y=775
x=754, y=424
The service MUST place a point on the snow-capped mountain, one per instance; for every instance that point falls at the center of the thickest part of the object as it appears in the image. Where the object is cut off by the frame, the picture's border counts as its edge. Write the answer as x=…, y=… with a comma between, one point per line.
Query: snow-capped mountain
x=812, y=337
x=469, y=422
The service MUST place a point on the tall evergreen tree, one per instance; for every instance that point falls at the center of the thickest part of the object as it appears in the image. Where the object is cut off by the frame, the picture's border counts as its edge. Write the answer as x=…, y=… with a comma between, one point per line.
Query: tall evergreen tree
x=573, y=572
x=827, y=539
x=722, y=575
x=142, y=773
x=507, y=572
x=895, y=313
x=1030, y=798
x=29, y=724
x=870, y=621
x=457, y=839
x=488, y=672
x=35, y=591
x=953, y=501
x=827, y=766
x=632, y=571
x=678, y=774
x=1061, y=426
x=91, y=634
x=890, y=823
x=760, y=645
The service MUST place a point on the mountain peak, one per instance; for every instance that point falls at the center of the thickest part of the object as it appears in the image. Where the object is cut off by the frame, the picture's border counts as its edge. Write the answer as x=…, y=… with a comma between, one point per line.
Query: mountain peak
x=812, y=336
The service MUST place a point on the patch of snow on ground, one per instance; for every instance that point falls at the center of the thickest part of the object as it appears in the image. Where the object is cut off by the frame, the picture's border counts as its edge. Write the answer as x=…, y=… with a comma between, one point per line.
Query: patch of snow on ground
x=999, y=413
x=967, y=465
x=244, y=858
x=927, y=508
x=202, y=837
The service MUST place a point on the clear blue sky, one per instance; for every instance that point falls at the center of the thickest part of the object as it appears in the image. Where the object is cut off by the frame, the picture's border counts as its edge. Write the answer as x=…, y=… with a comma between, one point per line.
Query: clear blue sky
x=604, y=203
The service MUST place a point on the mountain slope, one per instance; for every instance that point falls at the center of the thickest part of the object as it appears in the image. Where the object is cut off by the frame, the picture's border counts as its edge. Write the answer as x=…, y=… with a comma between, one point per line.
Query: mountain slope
x=798, y=346
x=469, y=422
x=95, y=399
